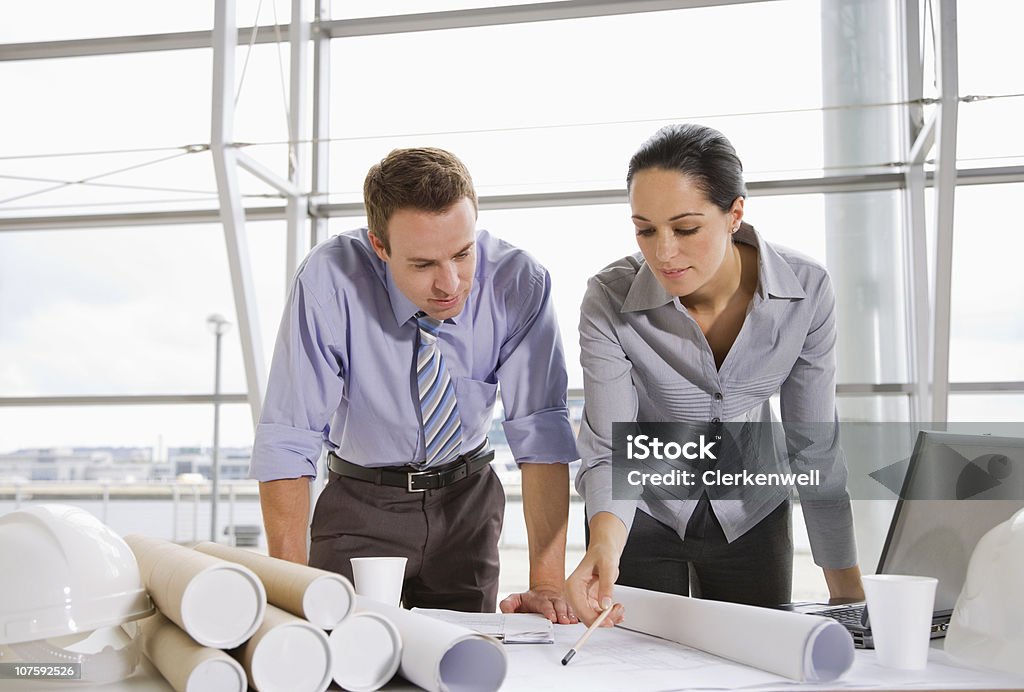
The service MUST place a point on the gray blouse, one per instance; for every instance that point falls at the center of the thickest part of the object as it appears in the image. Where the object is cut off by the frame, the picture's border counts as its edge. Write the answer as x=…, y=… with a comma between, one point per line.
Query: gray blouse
x=646, y=359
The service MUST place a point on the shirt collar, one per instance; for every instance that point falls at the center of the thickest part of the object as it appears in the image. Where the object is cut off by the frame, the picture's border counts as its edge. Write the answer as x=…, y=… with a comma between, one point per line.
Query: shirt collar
x=646, y=292
x=775, y=277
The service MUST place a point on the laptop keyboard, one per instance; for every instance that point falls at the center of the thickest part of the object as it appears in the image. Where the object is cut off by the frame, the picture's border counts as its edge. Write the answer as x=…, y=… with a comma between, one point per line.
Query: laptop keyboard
x=846, y=616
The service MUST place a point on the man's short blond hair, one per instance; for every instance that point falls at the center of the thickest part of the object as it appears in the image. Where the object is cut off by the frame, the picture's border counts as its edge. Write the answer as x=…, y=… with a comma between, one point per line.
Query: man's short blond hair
x=422, y=178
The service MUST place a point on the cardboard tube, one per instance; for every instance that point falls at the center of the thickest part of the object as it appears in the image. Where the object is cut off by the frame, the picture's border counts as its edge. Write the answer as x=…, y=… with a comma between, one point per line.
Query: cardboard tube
x=219, y=604
x=186, y=665
x=324, y=598
x=366, y=650
x=287, y=654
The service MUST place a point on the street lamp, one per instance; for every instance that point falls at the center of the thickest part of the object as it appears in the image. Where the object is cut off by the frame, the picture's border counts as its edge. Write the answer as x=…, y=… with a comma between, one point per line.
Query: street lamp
x=218, y=325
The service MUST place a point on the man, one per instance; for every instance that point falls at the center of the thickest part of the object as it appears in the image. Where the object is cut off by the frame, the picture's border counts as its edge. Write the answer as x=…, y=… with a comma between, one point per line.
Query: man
x=391, y=350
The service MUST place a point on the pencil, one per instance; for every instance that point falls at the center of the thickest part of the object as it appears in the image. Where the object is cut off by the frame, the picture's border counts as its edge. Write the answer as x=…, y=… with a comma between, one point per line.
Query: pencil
x=586, y=635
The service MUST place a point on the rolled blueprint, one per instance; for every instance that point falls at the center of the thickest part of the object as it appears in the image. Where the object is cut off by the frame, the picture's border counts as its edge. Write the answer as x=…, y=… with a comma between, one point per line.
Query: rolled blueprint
x=186, y=665
x=287, y=654
x=219, y=604
x=324, y=598
x=807, y=648
x=441, y=656
x=366, y=650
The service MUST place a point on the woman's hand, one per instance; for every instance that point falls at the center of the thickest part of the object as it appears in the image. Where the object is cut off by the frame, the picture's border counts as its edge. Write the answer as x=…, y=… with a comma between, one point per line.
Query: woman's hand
x=589, y=589
x=844, y=585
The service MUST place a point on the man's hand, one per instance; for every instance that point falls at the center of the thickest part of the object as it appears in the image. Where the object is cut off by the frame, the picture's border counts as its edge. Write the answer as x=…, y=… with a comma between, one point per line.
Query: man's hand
x=548, y=602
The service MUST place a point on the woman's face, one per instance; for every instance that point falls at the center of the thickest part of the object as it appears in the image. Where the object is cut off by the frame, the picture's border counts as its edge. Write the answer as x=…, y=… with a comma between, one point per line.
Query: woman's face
x=683, y=236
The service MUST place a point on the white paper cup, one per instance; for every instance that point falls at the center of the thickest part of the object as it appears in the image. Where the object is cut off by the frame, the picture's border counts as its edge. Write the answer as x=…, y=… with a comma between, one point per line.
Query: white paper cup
x=379, y=578
x=900, y=611
x=366, y=650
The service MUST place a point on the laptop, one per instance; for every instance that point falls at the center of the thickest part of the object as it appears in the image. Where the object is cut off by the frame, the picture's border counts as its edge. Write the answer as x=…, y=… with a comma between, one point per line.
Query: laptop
x=956, y=488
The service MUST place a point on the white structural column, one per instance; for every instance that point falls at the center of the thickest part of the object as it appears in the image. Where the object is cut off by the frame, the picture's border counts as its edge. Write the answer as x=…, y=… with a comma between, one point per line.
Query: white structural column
x=860, y=65
x=232, y=213
x=298, y=94
x=945, y=190
x=863, y=229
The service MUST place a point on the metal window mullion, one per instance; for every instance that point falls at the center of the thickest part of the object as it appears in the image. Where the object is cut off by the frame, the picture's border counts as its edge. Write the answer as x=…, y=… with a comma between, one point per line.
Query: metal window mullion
x=945, y=190
x=917, y=138
x=363, y=26
x=321, y=123
x=121, y=400
x=232, y=214
x=510, y=14
x=1002, y=175
x=120, y=45
x=297, y=208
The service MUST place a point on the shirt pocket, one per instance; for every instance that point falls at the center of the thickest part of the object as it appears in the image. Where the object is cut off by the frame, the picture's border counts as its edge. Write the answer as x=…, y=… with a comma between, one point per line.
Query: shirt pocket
x=476, y=405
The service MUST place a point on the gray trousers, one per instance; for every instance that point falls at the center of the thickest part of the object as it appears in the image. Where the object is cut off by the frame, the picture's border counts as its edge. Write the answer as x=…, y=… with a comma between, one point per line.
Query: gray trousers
x=450, y=537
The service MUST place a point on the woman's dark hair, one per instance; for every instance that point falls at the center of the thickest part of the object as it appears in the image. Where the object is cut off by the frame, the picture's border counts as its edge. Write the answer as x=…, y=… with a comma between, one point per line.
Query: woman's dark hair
x=700, y=153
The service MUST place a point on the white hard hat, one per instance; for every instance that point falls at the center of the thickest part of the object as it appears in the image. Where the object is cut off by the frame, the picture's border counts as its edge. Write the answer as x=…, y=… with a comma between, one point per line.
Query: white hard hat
x=65, y=573
x=985, y=629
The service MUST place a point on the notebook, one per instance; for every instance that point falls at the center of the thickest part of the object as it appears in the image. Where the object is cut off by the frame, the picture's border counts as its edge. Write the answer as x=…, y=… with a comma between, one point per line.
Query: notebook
x=931, y=534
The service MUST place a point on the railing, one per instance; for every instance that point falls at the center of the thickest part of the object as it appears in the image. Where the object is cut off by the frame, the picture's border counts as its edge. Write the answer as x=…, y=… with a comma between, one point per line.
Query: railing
x=177, y=493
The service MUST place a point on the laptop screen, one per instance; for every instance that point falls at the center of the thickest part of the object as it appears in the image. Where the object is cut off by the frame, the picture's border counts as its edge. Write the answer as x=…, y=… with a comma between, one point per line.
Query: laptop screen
x=932, y=533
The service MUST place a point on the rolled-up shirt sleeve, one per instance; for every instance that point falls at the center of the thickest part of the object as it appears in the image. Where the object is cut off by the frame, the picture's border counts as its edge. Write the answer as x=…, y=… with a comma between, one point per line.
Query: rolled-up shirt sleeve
x=532, y=376
x=610, y=397
x=304, y=389
x=807, y=403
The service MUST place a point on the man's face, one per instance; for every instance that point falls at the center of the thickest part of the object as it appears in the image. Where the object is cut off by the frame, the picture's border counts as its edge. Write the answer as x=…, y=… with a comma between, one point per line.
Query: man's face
x=433, y=256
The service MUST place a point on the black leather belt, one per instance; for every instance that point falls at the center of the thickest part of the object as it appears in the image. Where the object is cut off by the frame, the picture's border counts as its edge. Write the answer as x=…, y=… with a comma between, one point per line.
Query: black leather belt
x=411, y=478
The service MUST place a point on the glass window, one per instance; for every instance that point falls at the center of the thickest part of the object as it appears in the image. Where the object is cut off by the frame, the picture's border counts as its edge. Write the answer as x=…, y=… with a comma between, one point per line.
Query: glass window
x=988, y=133
x=874, y=409
x=566, y=113
x=993, y=407
x=59, y=20
x=123, y=311
x=381, y=8
x=117, y=102
x=987, y=36
x=987, y=310
x=150, y=427
x=135, y=116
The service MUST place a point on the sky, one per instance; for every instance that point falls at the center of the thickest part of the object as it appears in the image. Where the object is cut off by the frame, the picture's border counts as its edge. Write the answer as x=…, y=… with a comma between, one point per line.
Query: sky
x=536, y=107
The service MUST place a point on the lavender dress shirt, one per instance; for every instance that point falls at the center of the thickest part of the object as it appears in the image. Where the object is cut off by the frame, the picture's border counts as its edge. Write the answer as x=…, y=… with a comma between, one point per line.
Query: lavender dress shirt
x=342, y=371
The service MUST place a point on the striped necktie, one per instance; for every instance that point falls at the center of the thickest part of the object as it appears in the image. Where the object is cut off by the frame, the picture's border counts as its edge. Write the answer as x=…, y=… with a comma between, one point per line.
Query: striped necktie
x=442, y=427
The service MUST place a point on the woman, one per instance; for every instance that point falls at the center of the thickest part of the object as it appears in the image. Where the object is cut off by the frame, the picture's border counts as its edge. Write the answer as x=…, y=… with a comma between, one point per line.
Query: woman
x=706, y=327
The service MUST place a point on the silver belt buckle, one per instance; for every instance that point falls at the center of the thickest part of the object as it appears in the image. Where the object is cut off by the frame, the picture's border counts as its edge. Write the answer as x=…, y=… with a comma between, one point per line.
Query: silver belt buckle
x=409, y=478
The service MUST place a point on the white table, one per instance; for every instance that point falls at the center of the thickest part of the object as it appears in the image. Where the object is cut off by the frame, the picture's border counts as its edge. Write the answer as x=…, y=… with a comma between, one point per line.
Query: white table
x=617, y=659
